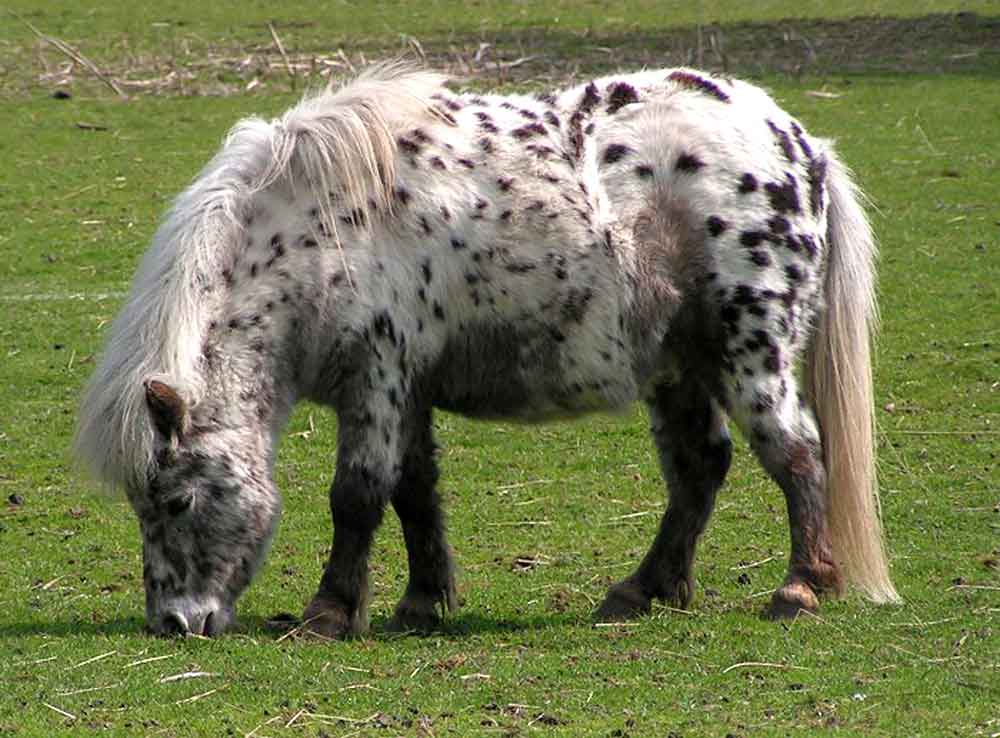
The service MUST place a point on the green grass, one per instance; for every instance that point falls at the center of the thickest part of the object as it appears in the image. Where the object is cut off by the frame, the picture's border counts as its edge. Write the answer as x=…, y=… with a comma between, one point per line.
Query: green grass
x=77, y=208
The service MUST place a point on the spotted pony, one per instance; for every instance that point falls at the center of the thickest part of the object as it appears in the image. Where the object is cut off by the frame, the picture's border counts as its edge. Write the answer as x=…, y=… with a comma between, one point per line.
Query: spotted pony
x=392, y=246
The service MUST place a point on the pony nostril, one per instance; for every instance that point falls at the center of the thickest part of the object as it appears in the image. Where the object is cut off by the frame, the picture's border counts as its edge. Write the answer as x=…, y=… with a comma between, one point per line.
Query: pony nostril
x=174, y=624
x=206, y=627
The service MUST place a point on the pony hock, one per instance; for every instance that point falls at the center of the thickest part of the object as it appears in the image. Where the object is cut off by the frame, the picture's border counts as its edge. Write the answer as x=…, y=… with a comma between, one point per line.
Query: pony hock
x=392, y=247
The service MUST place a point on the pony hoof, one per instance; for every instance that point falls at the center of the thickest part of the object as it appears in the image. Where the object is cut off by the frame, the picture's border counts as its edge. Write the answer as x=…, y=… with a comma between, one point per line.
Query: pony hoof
x=409, y=619
x=421, y=613
x=625, y=601
x=327, y=619
x=680, y=593
x=789, y=600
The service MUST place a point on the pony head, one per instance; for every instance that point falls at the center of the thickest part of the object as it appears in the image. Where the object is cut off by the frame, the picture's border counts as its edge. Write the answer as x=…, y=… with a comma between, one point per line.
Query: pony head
x=207, y=512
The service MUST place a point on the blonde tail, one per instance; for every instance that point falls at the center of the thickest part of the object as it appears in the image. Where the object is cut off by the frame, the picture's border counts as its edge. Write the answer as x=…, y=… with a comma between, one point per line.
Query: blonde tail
x=839, y=380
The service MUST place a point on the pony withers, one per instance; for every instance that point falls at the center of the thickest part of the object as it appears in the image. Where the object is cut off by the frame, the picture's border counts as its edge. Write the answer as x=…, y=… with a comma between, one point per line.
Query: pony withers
x=392, y=247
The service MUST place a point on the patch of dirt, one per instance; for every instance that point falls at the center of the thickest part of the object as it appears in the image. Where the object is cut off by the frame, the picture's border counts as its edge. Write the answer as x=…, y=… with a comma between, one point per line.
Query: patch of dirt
x=538, y=57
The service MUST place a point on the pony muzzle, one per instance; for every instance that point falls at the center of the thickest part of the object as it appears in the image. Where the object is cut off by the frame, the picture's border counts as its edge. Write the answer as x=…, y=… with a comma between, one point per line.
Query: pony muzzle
x=186, y=618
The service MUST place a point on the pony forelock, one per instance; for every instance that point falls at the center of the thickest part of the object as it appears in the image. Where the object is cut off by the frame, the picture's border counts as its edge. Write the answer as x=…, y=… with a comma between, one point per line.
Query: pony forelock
x=337, y=143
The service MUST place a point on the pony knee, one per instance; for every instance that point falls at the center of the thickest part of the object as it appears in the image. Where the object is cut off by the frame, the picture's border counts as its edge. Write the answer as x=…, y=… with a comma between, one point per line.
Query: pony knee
x=358, y=499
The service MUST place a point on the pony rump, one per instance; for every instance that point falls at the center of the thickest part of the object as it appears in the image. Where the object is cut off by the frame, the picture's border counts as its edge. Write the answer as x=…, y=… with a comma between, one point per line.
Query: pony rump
x=339, y=144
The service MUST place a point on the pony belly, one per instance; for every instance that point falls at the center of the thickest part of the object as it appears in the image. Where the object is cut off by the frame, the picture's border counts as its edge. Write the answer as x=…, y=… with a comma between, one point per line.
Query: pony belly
x=495, y=372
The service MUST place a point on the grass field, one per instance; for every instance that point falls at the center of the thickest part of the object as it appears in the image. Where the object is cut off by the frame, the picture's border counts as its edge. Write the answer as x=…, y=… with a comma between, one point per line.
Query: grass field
x=542, y=518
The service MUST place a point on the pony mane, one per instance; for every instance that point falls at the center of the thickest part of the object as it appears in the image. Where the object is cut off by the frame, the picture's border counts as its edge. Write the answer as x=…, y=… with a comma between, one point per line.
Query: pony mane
x=340, y=144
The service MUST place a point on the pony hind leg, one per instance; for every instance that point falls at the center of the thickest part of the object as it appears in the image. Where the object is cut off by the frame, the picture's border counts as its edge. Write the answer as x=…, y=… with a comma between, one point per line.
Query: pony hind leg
x=695, y=450
x=784, y=435
x=430, y=592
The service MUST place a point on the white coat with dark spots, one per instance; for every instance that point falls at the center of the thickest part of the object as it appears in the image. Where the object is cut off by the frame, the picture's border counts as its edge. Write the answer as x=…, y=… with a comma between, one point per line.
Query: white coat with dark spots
x=393, y=246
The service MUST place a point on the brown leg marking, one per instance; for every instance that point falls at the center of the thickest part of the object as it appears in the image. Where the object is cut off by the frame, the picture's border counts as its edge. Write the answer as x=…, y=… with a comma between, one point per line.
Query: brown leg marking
x=798, y=468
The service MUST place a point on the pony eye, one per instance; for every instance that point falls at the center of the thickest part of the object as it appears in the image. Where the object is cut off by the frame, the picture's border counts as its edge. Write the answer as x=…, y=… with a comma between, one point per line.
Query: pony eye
x=177, y=505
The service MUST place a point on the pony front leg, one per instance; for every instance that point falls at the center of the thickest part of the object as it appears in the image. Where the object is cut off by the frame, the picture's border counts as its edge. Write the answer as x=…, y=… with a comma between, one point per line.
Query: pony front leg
x=431, y=591
x=340, y=606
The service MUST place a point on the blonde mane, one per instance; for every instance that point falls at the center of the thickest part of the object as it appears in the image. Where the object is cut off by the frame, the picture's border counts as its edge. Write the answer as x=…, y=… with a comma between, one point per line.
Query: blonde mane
x=334, y=142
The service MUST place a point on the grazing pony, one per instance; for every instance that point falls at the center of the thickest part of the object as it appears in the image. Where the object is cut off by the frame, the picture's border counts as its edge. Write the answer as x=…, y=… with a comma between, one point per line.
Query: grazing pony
x=392, y=246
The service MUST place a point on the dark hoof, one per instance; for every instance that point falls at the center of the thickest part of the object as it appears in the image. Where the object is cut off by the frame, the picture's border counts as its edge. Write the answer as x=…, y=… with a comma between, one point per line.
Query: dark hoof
x=414, y=616
x=679, y=593
x=421, y=612
x=625, y=601
x=329, y=619
x=791, y=599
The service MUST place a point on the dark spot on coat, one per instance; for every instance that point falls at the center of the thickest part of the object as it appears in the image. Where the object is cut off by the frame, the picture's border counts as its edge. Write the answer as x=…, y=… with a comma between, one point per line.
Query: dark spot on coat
x=438, y=310
x=425, y=269
x=817, y=179
x=590, y=98
x=778, y=224
x=402, y=194
x=615, y=152
x=644, y=171
x=748, y=184
x=752, y=238
x=505, y=183
x=784, y=197
x=405, y=144
x=486, y=144
x=696, y=82
x=574, y=308
x=621, y=94
x=689, y=163
x=784, y=142
x=520, y=267
x=438, y=163
x=458, y=244
x=809, y=244
x=715, y=225
x=527, y=131
x=760, y=258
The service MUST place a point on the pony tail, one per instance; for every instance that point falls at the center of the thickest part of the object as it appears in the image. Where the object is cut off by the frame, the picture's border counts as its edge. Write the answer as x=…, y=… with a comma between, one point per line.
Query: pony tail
x=838, y=376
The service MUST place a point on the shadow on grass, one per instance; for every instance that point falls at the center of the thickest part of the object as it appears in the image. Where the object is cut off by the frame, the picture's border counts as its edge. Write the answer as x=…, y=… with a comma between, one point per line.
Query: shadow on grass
x=255, y=626
x=68, y=628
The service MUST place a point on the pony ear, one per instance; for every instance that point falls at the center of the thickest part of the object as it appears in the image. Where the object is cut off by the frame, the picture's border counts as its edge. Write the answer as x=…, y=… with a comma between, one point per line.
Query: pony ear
x=168, y=409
